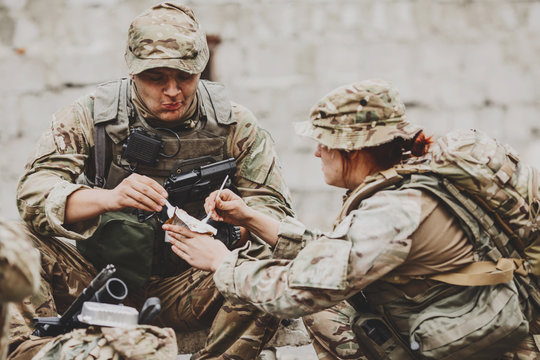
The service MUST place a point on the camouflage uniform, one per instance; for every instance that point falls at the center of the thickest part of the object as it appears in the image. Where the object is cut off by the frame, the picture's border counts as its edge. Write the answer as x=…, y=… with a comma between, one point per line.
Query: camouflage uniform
x=189, y=299
x=103, y=343
x=374, y=245
x=19, y=274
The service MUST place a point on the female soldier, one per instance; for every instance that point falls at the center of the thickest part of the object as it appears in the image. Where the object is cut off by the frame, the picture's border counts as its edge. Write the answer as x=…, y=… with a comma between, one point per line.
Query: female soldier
x=386, y=240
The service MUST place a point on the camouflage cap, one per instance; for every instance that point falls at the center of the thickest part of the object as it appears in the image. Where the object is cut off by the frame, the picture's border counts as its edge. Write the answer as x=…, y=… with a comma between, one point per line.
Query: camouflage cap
x=166, y=35
x=363, y=114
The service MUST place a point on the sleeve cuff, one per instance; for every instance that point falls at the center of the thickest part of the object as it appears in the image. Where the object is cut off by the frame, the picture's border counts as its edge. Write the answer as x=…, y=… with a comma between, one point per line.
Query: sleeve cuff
x=55, y=209
x=224, y=275
x=290, y=238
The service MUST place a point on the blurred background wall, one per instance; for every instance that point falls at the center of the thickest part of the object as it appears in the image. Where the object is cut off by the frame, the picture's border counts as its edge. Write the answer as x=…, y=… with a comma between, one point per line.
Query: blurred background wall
x=457, y=63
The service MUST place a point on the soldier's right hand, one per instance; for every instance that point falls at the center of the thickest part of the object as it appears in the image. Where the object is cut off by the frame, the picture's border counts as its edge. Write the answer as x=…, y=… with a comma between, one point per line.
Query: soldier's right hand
x=229, y=207
x=232, y=209
x=137, y=191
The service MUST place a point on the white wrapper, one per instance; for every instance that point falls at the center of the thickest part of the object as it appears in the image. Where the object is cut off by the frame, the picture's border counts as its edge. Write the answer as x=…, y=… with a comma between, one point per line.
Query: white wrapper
x=182, y=218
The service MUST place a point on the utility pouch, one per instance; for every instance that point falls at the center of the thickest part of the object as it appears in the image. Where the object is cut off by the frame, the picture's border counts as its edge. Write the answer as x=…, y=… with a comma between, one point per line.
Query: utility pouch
x=125, y=242
x=480, y=322
x=377, y=340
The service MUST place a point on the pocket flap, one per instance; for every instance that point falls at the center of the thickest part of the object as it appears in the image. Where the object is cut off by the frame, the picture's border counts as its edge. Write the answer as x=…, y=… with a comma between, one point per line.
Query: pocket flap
x=322, y=264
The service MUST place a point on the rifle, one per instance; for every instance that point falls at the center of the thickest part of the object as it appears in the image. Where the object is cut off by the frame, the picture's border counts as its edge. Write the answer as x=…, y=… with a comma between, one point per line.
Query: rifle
x=198, y=183
x=102, y=289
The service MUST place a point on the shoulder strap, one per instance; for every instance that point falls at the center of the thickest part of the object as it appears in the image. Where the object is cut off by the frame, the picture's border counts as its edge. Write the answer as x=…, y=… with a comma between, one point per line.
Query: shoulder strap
x=106, y=101
x=99, y=154
x=483, y=273
x=112, y=108
x=215, y=102
x=385, y=179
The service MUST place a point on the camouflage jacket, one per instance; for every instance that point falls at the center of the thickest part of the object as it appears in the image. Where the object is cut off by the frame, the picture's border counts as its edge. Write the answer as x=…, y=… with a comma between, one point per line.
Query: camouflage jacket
x=19, y=271
x=384, y=235
x=65, y=151
x=365, y=246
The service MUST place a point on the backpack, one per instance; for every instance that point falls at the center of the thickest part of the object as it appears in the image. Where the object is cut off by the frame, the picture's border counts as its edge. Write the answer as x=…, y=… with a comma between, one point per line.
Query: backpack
x=493, y=175
x=468, y=170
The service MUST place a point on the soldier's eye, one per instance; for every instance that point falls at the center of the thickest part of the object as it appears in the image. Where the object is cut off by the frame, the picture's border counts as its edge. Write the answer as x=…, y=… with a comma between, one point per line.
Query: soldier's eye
x=153, y=76
x=184, y=76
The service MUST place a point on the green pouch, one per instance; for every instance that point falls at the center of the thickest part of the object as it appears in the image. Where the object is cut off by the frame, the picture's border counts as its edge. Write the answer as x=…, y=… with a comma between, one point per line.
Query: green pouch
x=124, y=242
x=480, y=322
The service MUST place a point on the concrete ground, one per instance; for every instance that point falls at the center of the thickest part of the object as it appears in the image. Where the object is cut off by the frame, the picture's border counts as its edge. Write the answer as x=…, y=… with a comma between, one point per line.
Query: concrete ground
x=305, y=352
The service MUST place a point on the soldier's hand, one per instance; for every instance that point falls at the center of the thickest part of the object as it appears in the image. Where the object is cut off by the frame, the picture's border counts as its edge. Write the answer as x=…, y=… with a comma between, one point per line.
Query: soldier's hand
x=229, y=207
x=199, y=250
x=137, y=191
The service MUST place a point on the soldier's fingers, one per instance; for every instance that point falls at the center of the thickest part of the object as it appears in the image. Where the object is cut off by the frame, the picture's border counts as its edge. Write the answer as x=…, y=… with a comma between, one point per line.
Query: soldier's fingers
x=209, y=203
x=135, y=178
x=149, y=192
x=173, y=241
x=176, y=238
x=139, y=201
x=225, y=205
x=154, y=185
x=179, y=252
x=216, y=217
x=178, y=231
x=227, y=195
x=141, y=206
x=140, y=194
x=127, y=201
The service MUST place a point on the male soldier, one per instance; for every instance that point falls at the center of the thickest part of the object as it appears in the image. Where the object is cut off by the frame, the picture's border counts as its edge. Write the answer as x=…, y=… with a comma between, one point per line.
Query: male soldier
x=19, y=269
x=163, y=101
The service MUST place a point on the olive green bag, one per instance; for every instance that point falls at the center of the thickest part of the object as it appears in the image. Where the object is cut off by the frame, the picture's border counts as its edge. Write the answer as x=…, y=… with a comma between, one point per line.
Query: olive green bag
x=124, y=242
x=479, y=322
x=476, y=322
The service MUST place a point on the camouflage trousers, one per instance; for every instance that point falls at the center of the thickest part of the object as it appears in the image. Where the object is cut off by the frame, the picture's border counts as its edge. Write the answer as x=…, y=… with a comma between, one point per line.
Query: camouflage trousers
x=142, y=342
x=331, y=333
x=189, y=301
x=333, y=338
x=529, y=348
x=4, y=329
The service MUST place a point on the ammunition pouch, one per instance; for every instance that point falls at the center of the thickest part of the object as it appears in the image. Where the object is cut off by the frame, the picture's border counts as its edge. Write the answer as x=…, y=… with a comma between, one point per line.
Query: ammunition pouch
x=377, y=338
x=123, y=241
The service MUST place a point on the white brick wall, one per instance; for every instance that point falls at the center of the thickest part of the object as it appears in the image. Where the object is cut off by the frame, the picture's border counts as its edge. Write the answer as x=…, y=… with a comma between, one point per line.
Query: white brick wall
x=457, y=63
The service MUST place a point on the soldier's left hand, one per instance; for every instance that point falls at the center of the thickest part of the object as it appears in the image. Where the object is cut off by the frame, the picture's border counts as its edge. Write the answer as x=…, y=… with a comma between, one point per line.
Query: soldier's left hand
x=199, y=250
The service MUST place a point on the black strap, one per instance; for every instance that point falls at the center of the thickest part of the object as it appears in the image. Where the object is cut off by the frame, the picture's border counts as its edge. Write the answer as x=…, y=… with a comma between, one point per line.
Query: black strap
x=99, y=155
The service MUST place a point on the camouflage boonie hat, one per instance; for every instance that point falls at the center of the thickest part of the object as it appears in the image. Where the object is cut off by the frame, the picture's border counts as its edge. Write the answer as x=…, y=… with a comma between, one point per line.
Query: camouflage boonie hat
x=166, y=35
x=363, y=114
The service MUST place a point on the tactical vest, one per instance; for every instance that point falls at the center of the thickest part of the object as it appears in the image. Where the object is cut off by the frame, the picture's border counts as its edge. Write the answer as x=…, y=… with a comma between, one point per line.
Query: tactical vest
x=114, y=111
x=399, y=311
x=115, y=116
